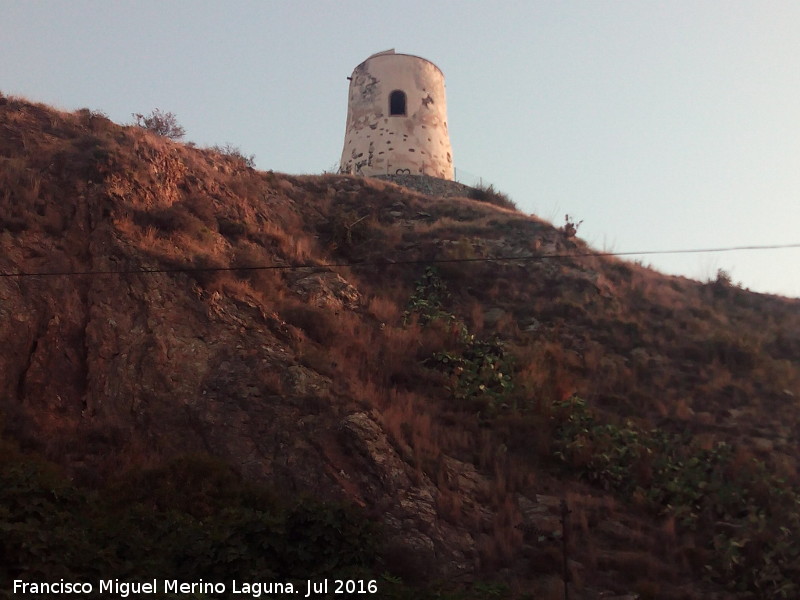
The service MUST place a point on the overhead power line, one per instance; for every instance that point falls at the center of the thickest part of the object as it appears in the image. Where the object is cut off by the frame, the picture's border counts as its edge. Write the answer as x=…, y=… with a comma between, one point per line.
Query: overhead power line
x=389, y=263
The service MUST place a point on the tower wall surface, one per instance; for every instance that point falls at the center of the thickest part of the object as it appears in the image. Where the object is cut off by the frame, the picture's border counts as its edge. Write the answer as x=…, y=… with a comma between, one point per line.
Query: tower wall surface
x=397, y=119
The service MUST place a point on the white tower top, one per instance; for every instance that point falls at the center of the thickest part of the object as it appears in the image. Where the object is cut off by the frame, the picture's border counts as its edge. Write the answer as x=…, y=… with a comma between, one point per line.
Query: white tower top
x=397, y=118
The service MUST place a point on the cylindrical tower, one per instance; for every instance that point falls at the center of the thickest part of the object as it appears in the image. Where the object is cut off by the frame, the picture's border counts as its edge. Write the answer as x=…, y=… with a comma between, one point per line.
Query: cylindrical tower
x=397, y=118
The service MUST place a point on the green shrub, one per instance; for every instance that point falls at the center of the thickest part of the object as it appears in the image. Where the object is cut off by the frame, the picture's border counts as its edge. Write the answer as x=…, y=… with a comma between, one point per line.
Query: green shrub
x=480, y=370
x=748, y=518
x=191, y=519
x=481, y=373
x=428, y=300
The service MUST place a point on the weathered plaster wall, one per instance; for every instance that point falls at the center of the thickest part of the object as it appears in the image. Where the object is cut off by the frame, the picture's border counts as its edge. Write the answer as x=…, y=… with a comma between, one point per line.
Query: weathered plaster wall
x=378, y=143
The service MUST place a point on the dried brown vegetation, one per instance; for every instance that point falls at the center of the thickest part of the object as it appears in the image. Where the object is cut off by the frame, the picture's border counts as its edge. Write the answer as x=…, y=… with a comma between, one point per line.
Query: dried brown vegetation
x=254, y=348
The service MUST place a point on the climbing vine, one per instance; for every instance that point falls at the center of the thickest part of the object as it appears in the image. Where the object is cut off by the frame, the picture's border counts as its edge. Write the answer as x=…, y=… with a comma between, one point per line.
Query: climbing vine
x=480, y=370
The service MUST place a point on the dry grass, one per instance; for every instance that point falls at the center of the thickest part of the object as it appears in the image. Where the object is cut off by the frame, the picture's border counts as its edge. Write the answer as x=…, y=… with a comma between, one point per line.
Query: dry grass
x=665, y=351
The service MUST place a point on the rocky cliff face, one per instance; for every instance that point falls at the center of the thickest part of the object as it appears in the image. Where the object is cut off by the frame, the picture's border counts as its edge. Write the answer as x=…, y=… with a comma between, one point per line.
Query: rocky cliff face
x=105, y=366
x=134, y=328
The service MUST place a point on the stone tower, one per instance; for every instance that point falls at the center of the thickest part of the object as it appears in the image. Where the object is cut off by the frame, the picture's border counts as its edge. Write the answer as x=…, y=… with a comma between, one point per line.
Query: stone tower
x=397, y=119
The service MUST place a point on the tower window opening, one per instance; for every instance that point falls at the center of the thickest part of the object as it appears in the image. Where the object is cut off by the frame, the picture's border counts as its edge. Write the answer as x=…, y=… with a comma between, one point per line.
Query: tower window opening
x=397, y=103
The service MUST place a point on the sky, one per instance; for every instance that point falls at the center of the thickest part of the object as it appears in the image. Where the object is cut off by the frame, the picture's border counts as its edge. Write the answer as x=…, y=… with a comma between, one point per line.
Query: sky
x=658, y=125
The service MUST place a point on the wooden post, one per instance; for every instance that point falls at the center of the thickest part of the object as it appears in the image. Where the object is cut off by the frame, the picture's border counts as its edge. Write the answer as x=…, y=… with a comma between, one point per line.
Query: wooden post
x=564, y=533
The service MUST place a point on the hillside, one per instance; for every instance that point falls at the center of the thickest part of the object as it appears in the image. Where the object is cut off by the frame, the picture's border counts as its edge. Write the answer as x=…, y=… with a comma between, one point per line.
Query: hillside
x=380, y=363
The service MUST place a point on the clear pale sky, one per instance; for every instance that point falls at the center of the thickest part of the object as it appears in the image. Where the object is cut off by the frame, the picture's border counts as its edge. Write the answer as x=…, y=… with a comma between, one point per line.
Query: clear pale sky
x=661, y=125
